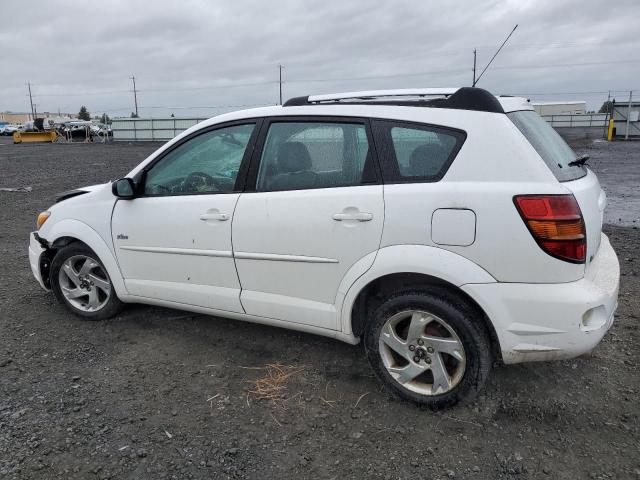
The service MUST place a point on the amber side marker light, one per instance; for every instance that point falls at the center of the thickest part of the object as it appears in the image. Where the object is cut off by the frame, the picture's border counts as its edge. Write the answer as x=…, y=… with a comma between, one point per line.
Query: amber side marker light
x=556, y=223
x=42, y=217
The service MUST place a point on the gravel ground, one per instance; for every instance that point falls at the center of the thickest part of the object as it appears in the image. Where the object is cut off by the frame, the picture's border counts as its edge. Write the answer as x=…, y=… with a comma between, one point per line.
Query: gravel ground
x=158, y=393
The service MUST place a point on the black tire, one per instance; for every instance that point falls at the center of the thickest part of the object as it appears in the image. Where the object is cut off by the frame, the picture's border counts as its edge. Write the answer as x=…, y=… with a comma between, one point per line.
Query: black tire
x=467, y=324
x=110, y=308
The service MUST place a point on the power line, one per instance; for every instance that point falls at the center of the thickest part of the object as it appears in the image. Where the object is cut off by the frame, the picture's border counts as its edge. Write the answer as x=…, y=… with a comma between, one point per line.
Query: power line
x=376, y=77
x=210, y=87
x=562, y=65
x=173, y=89
x=336, y=79
x=196, y=107
x=456, y=70
x=594, y=42
x=593, y=92
x=212, y=106
x=521, y=46
x=265, y=104
x=81, y=94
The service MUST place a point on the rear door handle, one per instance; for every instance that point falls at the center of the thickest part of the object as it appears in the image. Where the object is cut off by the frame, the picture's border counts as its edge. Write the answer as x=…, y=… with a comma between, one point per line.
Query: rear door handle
x=359, y=216
x=222, y=217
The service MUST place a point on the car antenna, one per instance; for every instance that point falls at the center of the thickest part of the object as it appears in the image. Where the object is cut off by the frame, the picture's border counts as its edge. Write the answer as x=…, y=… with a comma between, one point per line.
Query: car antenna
x=476, y=80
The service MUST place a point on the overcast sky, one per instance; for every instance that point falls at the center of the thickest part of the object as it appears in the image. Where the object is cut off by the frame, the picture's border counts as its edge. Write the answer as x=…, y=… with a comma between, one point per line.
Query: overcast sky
x=201, y=58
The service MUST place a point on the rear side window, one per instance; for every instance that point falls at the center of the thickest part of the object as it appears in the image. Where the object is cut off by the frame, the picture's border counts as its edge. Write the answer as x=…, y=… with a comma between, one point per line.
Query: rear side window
x=549, y=144
x=309, y=155
x=414, y=152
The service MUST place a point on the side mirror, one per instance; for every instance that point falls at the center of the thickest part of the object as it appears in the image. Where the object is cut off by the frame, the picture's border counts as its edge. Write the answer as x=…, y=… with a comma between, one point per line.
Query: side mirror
x=124, y=188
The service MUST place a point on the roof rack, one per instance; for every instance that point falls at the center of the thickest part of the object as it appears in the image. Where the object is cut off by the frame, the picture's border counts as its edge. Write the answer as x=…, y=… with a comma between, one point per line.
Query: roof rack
x=373, y=94
x=463, y=98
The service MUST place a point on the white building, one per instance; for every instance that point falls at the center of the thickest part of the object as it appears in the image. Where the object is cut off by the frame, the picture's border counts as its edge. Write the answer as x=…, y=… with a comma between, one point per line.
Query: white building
x=560, y=108
x=620, y=113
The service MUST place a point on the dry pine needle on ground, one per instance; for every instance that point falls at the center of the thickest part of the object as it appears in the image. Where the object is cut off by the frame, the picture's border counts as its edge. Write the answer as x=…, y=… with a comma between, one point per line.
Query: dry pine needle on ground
x=273, y=385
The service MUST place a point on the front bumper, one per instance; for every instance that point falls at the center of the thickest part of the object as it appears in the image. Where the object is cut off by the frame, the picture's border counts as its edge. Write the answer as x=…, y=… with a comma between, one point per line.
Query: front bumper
x=36, y=250
x=553, y=321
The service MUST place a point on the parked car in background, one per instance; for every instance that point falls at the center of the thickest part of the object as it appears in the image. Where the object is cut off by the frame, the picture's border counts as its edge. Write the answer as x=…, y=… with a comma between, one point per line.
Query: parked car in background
x=100, y=129
x=8, y=130
x=104, y=130
x=446, y=229
x=76, y=128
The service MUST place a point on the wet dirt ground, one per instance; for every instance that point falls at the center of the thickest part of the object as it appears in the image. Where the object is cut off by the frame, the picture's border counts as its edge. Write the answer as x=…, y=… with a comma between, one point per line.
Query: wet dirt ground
x=158, y=393
x=618, y=167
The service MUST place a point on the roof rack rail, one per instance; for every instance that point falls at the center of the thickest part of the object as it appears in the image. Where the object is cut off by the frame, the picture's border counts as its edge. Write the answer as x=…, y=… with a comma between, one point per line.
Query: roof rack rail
x=463, y=98
x=373, y=94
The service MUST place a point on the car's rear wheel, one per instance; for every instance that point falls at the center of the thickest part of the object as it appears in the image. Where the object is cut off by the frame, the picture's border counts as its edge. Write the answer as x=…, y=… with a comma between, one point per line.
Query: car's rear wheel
x=429, y=347
x=82, y=284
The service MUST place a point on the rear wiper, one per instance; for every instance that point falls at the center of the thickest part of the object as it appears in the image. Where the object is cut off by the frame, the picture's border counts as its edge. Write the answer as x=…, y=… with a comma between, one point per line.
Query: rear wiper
x=578, y=162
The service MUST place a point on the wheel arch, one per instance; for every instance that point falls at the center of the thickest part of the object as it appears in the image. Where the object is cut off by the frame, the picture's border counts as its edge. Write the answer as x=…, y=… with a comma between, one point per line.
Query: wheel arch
x=413, y=266
x=68, y=231
x=61, y=242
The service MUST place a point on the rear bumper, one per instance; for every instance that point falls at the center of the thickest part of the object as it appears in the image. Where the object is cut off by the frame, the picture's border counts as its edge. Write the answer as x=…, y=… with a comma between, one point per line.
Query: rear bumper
x=35, y=255
x=553, y=321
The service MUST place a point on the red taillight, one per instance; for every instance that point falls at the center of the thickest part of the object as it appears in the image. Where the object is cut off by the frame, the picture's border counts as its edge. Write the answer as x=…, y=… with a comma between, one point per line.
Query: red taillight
x=556, y=223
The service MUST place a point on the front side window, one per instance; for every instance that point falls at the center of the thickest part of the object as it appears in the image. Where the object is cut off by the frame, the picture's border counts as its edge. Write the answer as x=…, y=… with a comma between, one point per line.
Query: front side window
x=308, y=155
x=205, y=164
x=416, y=153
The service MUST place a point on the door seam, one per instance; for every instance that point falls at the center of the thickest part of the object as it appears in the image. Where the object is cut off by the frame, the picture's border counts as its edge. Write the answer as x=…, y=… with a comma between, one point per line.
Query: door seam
x=233, y=253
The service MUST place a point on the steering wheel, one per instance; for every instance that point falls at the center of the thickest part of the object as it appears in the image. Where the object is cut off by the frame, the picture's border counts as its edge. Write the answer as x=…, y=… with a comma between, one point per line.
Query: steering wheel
x=197, y=179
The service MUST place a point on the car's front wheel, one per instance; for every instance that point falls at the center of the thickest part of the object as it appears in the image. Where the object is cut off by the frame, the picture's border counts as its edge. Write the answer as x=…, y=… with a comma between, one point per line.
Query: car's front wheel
x=429, y=347
x=82, y=284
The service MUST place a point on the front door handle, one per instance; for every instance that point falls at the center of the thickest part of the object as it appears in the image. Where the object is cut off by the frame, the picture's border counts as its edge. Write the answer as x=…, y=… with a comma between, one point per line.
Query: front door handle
x=359, y=216
x=222, y=217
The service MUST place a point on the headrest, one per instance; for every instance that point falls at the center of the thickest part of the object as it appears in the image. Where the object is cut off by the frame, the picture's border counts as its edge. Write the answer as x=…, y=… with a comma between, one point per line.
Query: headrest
x=423, y=157
x=293, y=157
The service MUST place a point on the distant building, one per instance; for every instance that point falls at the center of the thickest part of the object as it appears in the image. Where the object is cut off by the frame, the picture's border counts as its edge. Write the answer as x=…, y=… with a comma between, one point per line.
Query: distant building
x=13, y=117
x=560, y=108
x=621, y=112
x=19, y=117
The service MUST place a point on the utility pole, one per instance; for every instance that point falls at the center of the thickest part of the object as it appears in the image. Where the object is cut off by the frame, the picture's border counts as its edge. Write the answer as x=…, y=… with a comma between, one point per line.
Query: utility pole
x=496, y=54
x=280, y=67
x=474, y=67
x=626, y=134
x=135, y=93
x=33, y=113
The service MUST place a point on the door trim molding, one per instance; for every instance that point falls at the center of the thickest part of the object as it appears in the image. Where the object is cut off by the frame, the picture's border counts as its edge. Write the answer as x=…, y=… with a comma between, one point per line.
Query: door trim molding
x=181, y=251
x=275, y=257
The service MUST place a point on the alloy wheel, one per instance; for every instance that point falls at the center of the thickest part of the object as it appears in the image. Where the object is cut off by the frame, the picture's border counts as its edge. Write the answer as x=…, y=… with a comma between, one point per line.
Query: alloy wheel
x=84, y=283
x=422, y=352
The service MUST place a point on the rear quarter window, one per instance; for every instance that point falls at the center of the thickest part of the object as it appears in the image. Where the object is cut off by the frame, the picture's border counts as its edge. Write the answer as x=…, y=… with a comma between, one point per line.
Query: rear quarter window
x=549, y=144
x=412, y=152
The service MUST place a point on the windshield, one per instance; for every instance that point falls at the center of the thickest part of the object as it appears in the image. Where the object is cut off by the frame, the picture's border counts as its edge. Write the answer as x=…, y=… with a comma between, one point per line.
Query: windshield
x=549, y=144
